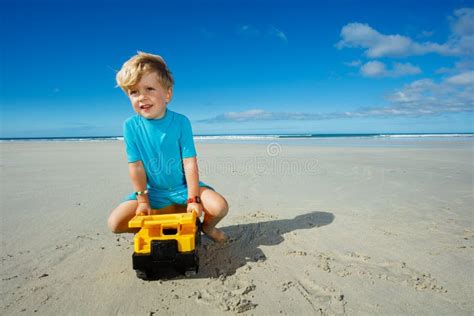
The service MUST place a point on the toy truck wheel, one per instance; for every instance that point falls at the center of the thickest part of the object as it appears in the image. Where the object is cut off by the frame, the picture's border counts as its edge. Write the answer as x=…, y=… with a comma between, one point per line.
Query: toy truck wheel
x=190, y=273
x=141, y=274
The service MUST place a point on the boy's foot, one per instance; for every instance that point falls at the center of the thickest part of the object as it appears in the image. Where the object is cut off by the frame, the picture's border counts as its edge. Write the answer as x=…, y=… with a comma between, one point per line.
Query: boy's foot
x=215, y=234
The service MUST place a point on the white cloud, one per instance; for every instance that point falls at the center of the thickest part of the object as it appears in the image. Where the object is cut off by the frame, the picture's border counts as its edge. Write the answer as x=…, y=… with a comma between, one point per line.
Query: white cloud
x=412, y=93
x=464, y=65
x=460, y=66
x=273, y=31
x=244, y=116
x=262, y=115
x=423, y=97
x=378, y=69
x=248, y=30
x=354, y=63
x=462, y=26
x=443, y=70
x=464, y=78
x=379, y=45
x=404, y=69
x=463, y=22
x=426, y=97
x=425, y=34
x=376, y=44
x=373, y=69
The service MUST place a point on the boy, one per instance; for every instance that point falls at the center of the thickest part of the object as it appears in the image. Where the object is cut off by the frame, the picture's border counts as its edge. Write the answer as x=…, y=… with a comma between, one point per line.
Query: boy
x=160, y=151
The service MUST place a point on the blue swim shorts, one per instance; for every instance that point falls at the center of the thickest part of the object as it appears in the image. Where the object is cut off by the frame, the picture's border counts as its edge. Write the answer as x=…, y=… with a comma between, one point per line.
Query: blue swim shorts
x=163, y=198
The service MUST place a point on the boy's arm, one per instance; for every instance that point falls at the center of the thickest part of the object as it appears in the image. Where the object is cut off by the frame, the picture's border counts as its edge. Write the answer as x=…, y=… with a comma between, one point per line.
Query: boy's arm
x=191, y=172
x=138, y=177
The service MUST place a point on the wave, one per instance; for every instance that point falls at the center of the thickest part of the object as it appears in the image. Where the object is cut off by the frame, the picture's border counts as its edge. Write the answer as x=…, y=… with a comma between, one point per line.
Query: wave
x=62, y=139
x=313, y=136
x=426, y=135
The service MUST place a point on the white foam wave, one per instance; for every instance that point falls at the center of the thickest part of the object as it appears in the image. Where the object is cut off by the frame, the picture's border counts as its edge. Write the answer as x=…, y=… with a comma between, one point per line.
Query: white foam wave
x=424, y=135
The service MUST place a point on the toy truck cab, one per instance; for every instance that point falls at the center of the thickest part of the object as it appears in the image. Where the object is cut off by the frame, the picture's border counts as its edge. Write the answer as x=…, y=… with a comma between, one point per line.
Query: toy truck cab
x=166, y=242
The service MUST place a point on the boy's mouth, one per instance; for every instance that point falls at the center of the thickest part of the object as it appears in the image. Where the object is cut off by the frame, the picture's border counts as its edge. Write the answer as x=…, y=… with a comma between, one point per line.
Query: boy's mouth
x=145, y=106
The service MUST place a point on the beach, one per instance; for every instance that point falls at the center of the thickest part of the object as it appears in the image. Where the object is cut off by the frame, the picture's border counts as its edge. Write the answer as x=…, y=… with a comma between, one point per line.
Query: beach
x=328, y=228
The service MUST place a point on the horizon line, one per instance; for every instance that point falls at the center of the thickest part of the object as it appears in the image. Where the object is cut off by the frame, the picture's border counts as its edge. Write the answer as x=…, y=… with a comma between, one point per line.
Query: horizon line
x=258, y=134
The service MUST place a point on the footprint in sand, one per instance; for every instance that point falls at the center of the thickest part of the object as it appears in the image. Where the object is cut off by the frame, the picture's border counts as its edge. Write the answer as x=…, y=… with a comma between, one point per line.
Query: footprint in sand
x=231, y=296
x=298, y=253
x=257, y=215
x=323, y=300
x=358, y=265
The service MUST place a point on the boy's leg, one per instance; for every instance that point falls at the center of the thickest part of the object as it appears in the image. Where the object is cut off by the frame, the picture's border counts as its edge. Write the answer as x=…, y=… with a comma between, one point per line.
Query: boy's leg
x=119, y=218
x=215, y=208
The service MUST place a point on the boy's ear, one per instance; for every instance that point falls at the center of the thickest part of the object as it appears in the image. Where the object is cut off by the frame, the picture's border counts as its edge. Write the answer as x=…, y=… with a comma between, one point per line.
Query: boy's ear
x=169, y=95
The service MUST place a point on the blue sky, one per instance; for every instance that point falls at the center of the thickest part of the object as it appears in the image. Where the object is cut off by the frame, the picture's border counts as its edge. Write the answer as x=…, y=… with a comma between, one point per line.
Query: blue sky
x=242, y=66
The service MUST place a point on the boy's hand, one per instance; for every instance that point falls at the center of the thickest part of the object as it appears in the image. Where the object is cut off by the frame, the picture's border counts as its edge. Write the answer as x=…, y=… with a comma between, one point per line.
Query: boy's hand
x=143, y=209
x=195, y=207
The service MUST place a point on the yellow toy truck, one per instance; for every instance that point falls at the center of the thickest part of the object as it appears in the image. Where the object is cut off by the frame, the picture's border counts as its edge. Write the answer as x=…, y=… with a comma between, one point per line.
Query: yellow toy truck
x=164, y=243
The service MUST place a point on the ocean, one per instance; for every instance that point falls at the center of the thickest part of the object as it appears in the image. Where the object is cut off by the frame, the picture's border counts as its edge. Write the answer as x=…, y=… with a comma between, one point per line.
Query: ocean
x=336, y=139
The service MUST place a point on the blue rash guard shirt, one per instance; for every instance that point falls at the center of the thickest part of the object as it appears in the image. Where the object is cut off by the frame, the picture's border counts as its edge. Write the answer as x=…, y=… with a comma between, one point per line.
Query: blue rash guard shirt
x=161, y=145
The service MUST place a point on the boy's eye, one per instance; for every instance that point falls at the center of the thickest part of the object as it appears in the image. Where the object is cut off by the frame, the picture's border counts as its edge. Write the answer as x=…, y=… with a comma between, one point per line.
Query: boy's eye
x=150, y=88
x=132, y=92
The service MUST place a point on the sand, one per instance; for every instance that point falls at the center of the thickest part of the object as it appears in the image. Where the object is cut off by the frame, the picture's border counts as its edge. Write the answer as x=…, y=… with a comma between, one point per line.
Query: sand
x=384, y=229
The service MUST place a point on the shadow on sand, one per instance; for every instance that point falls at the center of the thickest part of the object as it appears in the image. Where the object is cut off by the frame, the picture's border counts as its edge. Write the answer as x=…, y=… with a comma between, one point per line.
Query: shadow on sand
x=245, y=240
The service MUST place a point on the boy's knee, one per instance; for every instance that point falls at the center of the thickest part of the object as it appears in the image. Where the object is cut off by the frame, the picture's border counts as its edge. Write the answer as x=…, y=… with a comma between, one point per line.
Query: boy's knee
x=224, y=208
x=113, y=224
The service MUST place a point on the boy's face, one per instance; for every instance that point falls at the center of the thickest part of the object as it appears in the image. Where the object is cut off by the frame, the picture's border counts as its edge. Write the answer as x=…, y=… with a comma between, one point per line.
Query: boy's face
x=148, y=97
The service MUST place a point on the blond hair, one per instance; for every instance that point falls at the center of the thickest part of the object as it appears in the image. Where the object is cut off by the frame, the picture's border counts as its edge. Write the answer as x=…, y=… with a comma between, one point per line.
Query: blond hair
x=140, y=64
